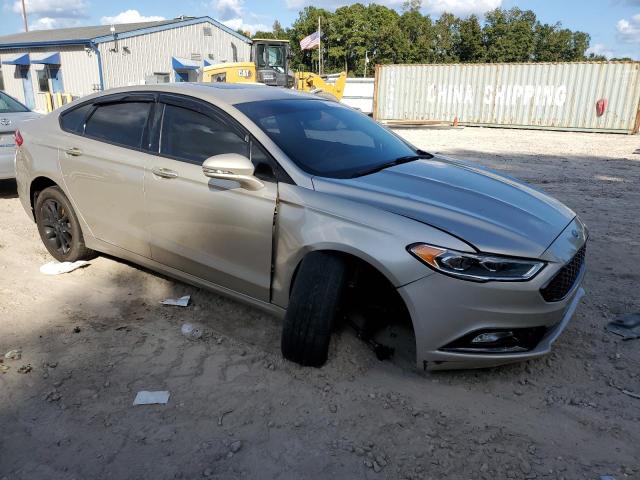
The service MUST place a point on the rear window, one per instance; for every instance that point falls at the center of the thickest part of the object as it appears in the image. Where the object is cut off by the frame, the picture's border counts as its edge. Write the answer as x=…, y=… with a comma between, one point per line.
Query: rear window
x=119, y=123
x=73, y=120
x=10, y=105
x=325, y=138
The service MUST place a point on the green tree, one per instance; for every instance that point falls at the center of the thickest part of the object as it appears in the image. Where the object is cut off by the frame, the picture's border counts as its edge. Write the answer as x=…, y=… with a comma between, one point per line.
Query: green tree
x=509, y=35
x=447, y=39
x=419, y=33
x=471, y=45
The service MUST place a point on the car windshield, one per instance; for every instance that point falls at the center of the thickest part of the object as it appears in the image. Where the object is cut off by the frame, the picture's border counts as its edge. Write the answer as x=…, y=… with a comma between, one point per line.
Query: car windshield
x=325, y=138
x=9, y=105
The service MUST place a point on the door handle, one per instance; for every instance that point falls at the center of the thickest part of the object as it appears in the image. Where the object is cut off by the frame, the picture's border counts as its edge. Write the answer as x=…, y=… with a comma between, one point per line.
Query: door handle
x=164, y=172
x=73, y=152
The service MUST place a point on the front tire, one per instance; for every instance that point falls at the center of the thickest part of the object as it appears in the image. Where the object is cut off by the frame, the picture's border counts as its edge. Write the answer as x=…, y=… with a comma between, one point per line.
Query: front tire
x=314, y=308
x=59, y=227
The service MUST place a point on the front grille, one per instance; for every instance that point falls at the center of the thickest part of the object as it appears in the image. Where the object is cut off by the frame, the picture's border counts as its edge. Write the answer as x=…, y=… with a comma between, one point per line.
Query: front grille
x=560, y=286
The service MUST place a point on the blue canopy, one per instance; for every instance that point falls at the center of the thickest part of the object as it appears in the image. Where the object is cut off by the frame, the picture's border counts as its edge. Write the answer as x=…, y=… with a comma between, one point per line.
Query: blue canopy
x=207, y=63
x=46, y=58
x=16, y=59
x=184, y=64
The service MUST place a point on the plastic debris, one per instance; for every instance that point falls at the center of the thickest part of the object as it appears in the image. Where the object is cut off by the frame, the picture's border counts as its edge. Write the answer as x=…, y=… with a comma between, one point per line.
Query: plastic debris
x=191, y=331
x=4, y=368
x=151, y=398
x=13, y=354
x=177, y=302
x=627, y=326
x=56, y=268
x=25, y=369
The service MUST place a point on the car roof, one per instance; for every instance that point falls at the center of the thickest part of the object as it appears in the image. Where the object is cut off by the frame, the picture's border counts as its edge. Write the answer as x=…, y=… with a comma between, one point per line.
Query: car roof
x=229, y=93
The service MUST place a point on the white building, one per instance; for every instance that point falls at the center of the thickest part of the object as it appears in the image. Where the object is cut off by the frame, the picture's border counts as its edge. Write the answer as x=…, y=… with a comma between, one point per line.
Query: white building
x=80, y=61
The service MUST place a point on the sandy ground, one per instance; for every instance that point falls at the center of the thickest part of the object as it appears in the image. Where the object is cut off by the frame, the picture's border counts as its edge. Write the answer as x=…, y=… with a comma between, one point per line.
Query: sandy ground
x=237, y=410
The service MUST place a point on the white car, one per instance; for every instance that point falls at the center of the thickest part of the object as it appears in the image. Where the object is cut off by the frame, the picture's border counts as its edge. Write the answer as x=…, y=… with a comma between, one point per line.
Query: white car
x=12, y=115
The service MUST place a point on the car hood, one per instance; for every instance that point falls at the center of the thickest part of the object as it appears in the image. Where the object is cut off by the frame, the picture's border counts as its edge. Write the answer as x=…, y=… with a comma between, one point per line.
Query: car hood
x=492, y=212
x=10, y=122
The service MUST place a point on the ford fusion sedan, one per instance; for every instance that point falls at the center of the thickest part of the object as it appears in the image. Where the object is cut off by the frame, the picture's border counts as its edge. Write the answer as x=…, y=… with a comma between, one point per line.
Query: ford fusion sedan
x=311, y=211
x=12, y=115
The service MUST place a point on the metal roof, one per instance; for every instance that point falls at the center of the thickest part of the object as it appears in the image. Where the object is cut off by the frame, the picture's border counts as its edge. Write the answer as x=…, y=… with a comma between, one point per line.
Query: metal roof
x=102, y=33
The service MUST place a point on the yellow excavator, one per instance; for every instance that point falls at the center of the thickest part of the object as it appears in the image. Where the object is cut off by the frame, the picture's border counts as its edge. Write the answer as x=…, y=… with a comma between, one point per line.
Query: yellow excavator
x=270, y=66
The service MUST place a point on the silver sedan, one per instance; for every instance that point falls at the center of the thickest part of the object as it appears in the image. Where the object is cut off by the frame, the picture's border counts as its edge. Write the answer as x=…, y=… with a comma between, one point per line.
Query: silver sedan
x=12, y=115
x=309, y=210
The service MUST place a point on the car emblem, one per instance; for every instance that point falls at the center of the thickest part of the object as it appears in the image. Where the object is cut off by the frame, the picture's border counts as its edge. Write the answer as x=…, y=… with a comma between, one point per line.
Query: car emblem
x=575, y=233
x=5, y=122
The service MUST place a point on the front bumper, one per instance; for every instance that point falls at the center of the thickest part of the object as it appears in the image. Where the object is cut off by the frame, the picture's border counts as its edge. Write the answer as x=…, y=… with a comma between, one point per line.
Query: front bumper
x=444, y=310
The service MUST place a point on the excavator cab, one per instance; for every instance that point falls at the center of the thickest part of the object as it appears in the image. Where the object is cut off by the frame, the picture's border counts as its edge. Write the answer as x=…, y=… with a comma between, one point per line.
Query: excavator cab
x=272, y=58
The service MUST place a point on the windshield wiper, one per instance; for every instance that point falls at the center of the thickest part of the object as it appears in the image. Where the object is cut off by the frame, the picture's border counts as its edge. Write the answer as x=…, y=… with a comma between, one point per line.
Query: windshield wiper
x=398, y=161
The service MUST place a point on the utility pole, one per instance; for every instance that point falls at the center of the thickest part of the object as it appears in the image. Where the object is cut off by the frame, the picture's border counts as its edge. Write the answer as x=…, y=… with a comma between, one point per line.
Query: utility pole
x=24, y=17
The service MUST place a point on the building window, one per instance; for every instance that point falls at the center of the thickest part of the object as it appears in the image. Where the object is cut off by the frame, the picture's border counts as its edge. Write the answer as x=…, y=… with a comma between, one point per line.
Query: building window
x=157, y=77
x=207, y=32
x=43, y=80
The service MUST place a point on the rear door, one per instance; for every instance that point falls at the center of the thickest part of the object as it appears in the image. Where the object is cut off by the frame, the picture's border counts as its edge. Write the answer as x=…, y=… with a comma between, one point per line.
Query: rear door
x=103, y=164
x=209, y=228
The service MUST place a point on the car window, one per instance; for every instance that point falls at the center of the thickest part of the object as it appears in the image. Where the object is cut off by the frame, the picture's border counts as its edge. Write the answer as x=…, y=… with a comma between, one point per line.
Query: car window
x=119, y=123
x=194, y=137
x=73, y=120
x=325, y=138
x=9, y=105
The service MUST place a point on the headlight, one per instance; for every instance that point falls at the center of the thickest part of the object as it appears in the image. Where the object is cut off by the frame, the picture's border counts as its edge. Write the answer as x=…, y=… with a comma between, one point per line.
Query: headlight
x=476, y=267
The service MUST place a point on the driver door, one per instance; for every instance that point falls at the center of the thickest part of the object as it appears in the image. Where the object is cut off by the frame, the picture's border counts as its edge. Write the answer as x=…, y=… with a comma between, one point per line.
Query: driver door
x=212, y=229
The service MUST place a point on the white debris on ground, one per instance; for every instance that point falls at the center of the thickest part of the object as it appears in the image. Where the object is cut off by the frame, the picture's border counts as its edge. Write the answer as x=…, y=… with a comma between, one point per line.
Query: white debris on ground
x=151, y=398
x=177, y=302
x=58, y=268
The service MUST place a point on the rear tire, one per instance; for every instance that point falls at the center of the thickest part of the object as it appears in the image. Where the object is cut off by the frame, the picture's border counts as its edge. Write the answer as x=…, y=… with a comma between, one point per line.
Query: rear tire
x=314, y=308
x=59, y=227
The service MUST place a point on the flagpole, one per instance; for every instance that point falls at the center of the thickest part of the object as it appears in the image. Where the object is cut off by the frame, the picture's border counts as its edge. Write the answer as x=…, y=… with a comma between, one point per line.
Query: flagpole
x=319, y=48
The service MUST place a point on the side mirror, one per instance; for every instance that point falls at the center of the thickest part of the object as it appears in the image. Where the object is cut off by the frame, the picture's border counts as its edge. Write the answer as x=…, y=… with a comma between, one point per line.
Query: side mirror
x=233, y=167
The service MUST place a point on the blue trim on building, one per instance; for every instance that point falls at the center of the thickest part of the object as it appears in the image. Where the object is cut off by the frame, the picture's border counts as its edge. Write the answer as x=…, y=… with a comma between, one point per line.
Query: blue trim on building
x=96, y=50
x=52, y=59
x=21, y=60
x=169, y=26
x=183, y=64
x=56, y=43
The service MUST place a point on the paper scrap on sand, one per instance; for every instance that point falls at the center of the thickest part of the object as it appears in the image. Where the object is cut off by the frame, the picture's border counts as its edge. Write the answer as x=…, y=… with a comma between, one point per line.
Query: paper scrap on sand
x=151, y=398
x=177, y=302
x=55, y=268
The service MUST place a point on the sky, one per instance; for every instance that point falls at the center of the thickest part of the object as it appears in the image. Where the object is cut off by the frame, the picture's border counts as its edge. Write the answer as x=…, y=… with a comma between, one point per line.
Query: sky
x=614, y=25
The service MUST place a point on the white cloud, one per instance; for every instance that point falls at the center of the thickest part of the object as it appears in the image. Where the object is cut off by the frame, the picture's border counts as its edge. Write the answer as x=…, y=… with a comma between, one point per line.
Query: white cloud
x=600, y=49
x=461, y=7
x=48, y=14
x=129, y=16
x=228, y=9
x=239, y=24
x=436, y=7
x=233, y=14
x=629, y=30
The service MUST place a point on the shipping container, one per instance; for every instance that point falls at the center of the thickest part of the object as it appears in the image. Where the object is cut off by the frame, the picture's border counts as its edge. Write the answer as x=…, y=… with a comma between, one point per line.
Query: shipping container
x=581, y=96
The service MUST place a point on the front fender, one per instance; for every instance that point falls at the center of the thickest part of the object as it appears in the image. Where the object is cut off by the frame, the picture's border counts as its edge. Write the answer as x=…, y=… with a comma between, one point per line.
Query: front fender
x=309, y=221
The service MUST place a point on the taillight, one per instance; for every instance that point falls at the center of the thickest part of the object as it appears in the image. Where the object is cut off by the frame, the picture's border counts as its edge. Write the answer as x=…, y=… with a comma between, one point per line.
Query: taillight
x=19, y=139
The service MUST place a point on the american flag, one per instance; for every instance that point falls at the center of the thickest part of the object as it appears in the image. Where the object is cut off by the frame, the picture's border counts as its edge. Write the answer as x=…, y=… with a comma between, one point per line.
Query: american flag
x=310, y=42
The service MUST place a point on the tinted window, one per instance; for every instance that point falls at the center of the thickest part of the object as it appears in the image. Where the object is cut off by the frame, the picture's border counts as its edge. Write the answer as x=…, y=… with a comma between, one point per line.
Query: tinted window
x=73, y=121
x=193, y=136
x=9, y=105
x=119, y=123
x=325, y=138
